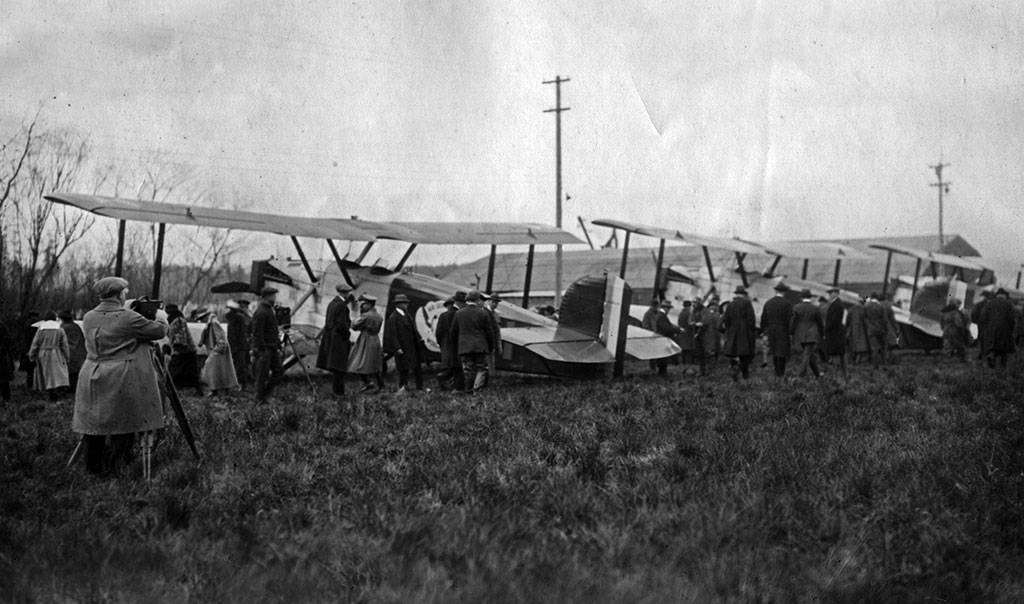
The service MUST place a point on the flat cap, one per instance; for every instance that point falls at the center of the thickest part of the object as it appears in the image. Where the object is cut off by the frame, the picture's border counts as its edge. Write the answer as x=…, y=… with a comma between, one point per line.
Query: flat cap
x=342, y=288
x=368, y=298
x=110, y=287
x=267, y=291
x=460, y=296
x=449, y=301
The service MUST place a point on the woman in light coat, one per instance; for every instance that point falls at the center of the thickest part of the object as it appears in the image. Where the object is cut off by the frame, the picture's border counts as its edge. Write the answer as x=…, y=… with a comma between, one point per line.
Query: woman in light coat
x=219, y=368
x=49, y=353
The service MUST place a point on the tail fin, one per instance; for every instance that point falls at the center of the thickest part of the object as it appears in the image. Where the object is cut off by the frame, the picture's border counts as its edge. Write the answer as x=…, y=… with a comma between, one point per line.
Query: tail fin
x=598, y=307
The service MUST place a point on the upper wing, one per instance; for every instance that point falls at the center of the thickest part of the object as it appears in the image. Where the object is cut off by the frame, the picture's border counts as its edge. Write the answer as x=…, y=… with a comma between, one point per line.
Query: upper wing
x=468, y=233
x=724, y=243
x=974, y=264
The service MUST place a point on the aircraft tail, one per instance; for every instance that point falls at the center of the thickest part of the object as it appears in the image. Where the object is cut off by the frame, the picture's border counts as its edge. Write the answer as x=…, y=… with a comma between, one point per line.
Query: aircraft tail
x=263, y=271
x=594, y=306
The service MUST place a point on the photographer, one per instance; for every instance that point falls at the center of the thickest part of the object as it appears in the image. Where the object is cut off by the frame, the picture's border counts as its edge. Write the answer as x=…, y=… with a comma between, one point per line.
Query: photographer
x=119, y=392
x=266, y=345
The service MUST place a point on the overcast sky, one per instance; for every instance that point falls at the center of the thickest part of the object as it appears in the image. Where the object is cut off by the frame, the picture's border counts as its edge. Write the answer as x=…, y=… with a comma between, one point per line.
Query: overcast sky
x=764, y=120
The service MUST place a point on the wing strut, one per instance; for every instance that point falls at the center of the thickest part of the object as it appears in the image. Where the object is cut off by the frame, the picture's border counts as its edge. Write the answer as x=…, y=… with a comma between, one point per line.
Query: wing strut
x=885, y=280
x=743, y=270
x=529, y=277
x=490, y=268
x=835, y=277
x=405, y=258
x=625, y=256
x=707, y=261
x=305, y=263
x=803, y=273
x=917, y=273
x=775, y=265
x=341, y=265
x=119, y=262
x=657, y=273
x=362, y=254
x=158, y=264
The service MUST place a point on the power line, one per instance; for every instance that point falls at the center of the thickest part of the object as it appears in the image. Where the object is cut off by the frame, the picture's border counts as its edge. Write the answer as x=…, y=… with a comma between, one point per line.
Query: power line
x=557, y=110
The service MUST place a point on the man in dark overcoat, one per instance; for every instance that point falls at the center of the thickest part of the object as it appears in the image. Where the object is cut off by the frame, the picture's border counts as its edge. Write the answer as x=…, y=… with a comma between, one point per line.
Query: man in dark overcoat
x=335, y=342
x=403, y=342
x=835, y=331
x=450, y=376
x=807, y=328
x=685, y=338
x=118, y=391
x=238, y=341
x=976, y=317
x=998, y=319
x=856, y=333
x=705, y=334
x=268, y=366
x=663, y=327
x=740, y=325
x=472, y=330
x=776, y=317
x=76, y=346
x=876, y=324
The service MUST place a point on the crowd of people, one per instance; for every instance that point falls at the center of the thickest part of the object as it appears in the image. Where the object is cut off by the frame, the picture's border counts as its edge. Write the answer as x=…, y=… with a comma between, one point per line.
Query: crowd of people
x=821, y=332
x=120, y=363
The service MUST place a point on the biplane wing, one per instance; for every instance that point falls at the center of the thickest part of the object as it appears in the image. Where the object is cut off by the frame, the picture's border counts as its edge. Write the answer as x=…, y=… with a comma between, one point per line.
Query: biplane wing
x=970, y=263
x=347, y=229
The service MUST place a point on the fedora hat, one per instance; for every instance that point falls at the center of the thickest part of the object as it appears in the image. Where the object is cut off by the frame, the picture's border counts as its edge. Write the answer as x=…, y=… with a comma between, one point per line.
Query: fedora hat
x=401, y=299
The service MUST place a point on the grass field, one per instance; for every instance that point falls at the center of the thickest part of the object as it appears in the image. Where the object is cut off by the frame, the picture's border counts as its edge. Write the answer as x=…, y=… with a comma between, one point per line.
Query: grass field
x=901, y=486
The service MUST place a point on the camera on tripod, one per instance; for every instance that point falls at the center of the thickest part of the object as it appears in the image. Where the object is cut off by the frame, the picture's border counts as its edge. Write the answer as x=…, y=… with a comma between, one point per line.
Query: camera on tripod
x=147, y=308
x=283, y=314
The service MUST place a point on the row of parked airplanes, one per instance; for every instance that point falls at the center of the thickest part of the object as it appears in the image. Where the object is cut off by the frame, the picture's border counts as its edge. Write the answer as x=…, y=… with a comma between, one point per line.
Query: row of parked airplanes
x=597, y=323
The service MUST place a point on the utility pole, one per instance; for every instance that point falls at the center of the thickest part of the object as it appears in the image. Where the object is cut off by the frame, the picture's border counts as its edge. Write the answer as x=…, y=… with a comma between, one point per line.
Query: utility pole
x=943, y=187
x=558, y=109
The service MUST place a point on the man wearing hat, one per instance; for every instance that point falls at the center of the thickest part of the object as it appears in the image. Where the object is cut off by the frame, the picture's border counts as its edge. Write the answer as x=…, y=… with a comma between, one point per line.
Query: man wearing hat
x=856, y=332
x=268, y=367
x=184, y=364
x=740, y=325
x=238, y=341
x=998, y=319
x=335, y=342
x=119, y=390
x=367, y=358
x=685, y=339
x=776, y=319
x=402, y=341
x=705, y=334
x=976, y=318
x=663, y=326
x=492, y=310
x=835, y=332
x=450, y=375
x=876, y=324
x=472, y=330
x=807, y=328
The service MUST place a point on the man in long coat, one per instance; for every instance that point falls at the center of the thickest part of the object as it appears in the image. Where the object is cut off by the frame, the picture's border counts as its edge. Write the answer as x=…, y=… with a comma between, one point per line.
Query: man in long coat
x=954, y=331
x=184, y=364
x=835, y=331
x=705, y=334
x=268, y=366
x=663, y=327
x=76, y=345
x=238, y=341
x=740, y=325
x=472, y=330
x=6, y=363
x=450, y=375
x=998, y=319
x=218, y=371
x=49, y=353
x=118, y=391
x=807, y=328
x=856, y=332
x=335, y=340
x=976, y=316
x=685, y=337
x=776, y=317
x=876, y=324
x=367, y=357
x=892, y=327
x=403, y=342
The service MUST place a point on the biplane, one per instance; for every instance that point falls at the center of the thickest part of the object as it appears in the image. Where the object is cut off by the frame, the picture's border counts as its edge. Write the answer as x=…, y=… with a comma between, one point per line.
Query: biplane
x=588, y=337
x=685, y=283
x=923, y=297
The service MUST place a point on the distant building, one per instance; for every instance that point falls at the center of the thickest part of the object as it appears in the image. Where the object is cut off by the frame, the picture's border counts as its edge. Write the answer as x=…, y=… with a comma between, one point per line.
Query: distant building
x=861, y=275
